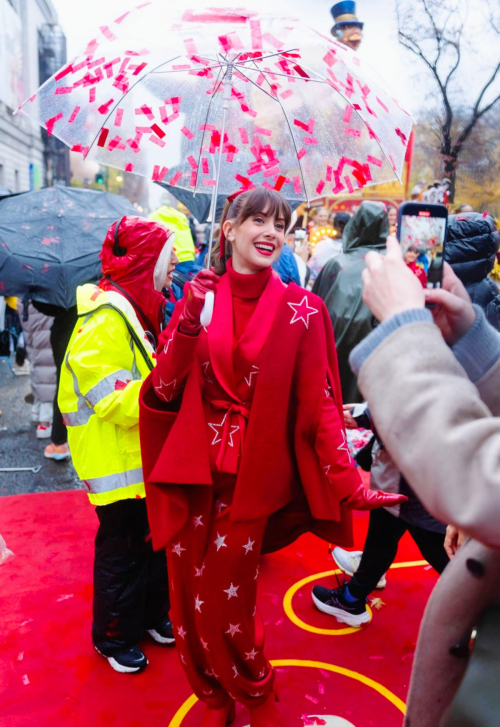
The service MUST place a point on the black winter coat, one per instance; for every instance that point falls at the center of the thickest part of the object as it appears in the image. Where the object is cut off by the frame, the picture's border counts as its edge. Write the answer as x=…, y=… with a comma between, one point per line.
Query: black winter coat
x=471, y=248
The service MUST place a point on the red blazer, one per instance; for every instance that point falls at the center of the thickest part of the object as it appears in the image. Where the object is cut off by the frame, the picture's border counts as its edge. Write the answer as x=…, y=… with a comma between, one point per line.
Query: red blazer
x=280, y=476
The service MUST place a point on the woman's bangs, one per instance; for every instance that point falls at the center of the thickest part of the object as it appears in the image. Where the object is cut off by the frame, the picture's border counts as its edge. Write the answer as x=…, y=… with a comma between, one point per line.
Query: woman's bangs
x=265, y=202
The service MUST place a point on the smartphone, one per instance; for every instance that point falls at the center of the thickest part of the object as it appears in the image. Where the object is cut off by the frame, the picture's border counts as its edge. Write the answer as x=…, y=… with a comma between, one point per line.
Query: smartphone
x=299, y=236
x=422, y=232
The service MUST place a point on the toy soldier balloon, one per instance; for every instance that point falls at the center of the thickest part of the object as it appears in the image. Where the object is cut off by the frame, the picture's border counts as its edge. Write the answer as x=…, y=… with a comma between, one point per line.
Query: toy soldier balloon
x=347, y=29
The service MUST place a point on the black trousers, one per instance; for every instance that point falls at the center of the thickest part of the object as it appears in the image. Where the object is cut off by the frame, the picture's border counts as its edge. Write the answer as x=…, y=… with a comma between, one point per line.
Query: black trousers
x=381, y=547
x=130, y=579
x=60, y=334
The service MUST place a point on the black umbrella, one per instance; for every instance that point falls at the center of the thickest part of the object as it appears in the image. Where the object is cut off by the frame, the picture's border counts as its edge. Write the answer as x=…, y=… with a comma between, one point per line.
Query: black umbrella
x=50, y=241
x=199, y=204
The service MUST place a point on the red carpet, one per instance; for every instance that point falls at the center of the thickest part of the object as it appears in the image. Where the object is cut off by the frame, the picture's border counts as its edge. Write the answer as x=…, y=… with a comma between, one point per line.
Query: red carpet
x=50, y=674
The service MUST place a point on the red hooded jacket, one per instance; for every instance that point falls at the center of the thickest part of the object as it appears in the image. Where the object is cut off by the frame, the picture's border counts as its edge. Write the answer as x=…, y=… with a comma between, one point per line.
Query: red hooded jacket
x=128, y=262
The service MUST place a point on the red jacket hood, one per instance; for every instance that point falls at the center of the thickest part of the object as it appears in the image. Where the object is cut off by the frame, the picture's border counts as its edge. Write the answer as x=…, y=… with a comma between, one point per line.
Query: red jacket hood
x=130, y=263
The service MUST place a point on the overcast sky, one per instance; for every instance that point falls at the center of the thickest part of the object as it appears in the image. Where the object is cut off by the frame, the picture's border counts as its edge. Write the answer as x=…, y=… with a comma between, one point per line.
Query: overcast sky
x=400, y=73
x=404, y=77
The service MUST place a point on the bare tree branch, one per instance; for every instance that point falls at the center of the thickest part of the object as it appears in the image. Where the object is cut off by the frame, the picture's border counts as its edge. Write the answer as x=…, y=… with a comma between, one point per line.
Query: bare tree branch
x=486, y=87
x=436, y=37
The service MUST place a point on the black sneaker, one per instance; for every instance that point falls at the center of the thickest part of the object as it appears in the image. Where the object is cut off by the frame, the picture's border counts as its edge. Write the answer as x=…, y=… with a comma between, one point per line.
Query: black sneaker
x=163, y=633
x=332, y=601
x=129, y=661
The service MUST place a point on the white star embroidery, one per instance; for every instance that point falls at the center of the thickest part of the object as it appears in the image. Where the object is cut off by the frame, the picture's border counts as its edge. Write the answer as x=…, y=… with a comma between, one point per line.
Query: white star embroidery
x=248, y=546
x=220, y=541
x=212, y=674
x=207, y=378
x=256, y=574
x=198, y=521
x=209, y=692
x=327, y=468
x=198, y=604
x=344, y=447
x=220, y=505
x=257, y=694
x=183, y=659
x=253, y=372
x=234, y=630
x=302, y=311
x=232, y=591
x=178, y=549
x=250, y=655
x=182, y=633
x=262, y=674
x=204, y=644
x=235, y=670
x=199, y=571
x=164, y=394
x=217, y=438
x=165, y=347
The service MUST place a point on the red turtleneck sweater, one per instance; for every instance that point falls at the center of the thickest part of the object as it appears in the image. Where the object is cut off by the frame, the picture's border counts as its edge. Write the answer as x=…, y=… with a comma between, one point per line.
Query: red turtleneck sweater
x=246, y=291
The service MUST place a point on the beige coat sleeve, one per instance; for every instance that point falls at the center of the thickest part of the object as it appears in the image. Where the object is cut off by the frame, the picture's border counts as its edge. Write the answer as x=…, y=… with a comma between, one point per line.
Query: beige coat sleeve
x=442, y=436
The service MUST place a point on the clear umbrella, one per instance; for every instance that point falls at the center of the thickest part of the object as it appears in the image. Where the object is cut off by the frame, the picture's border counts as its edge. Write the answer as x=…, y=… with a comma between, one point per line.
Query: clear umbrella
x=226, y=99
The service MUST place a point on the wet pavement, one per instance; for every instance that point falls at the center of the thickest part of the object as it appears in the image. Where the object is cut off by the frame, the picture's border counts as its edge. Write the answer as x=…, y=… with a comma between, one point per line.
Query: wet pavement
x=19, y=446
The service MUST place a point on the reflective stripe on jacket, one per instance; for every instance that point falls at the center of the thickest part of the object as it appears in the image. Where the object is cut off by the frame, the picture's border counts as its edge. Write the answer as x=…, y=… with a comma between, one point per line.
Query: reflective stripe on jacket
x=107, y=359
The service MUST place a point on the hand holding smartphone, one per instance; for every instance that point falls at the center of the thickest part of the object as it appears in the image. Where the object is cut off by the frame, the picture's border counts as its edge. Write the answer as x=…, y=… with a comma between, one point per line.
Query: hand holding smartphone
x=422, y=234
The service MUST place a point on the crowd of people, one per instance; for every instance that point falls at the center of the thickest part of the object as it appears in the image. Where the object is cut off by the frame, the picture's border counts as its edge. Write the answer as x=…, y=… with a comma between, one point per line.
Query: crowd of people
x=319, y=326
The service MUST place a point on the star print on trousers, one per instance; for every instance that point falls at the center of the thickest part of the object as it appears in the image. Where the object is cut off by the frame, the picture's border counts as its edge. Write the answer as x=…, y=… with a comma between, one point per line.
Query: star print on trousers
x=234, y=629
x=178, y=549
x=220, y=542
x=249, y=546
x=217, y=611
x=198, y=520
x=204, y=644
x=198, y=604
x=232, y=591
x=302, y=311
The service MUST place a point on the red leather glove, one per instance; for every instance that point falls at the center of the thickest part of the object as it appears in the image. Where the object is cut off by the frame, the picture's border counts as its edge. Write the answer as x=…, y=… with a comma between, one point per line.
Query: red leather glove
x=189, y=320
x=363, y=499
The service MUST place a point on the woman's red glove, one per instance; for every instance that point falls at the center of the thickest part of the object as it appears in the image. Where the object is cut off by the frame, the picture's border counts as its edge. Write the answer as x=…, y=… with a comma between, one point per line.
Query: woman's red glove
x=189, y=320
x=363, y=499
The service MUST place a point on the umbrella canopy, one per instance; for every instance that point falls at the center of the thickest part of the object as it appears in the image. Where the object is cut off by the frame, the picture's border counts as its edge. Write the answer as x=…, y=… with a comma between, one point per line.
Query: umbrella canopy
x=289, y=108
x=199, y=204
x=50, y=241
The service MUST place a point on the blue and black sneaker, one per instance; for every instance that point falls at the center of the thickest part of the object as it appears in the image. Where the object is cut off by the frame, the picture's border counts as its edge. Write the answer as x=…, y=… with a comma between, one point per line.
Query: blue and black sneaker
x=333, y=602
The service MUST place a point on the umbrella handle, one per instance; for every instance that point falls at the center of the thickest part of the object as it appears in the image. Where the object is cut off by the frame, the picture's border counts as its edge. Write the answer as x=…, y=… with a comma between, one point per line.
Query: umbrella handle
x=208, y=309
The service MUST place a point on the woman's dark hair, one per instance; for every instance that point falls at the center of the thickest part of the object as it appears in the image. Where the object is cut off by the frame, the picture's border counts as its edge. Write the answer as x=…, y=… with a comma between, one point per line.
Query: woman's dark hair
x=256, y=201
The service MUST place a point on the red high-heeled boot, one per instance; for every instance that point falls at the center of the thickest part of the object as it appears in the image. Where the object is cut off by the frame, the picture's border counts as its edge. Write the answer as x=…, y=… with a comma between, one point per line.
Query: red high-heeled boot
x=267, y=714
x=221, y=717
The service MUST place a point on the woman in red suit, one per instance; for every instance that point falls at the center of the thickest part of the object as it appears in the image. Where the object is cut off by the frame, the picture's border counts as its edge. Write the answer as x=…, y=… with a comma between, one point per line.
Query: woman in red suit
x=256, y=455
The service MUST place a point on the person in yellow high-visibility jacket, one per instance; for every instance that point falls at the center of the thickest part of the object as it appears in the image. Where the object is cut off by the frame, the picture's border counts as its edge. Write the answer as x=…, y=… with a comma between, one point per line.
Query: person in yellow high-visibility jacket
x=111, y=351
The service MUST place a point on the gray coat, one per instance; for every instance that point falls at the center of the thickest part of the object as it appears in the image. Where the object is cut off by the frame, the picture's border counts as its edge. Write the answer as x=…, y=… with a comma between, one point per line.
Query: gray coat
x=444, y=435
x=42, y=367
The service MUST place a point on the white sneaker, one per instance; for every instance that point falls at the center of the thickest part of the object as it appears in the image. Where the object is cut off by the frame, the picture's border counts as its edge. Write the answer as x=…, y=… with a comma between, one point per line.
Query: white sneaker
x=349, y=560
x=44, y=430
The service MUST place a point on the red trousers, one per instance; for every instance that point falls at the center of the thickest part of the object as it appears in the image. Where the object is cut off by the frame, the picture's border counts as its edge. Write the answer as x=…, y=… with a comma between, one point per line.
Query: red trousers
x=213, y=565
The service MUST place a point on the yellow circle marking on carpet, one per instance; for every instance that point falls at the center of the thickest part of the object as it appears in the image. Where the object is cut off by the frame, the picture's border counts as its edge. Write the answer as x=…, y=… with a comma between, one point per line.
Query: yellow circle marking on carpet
x=383, y=691
x=287, y=602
